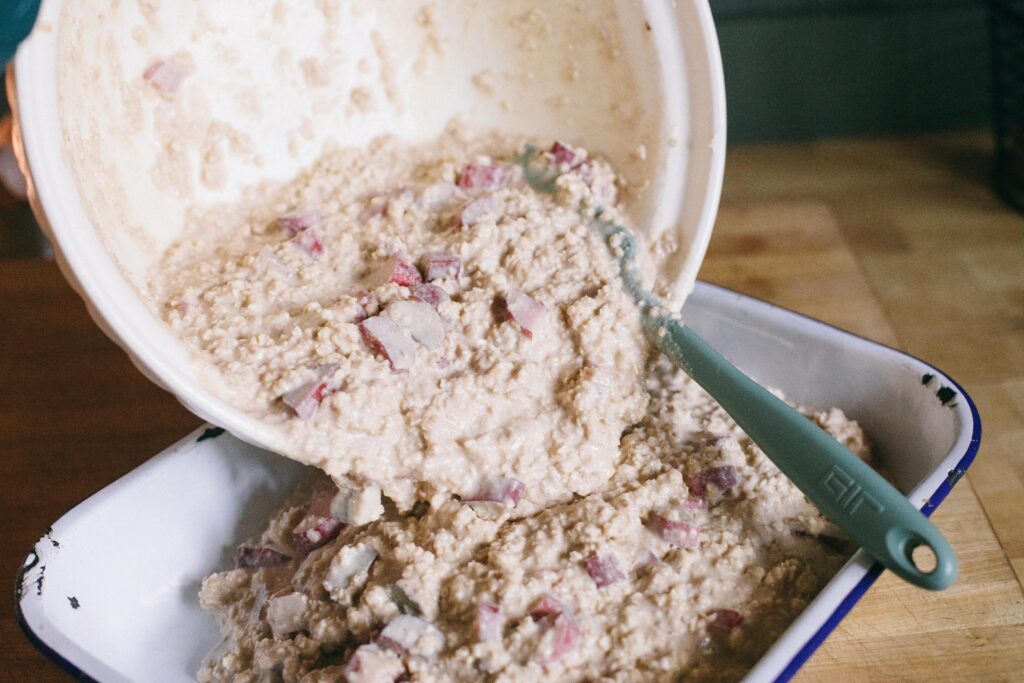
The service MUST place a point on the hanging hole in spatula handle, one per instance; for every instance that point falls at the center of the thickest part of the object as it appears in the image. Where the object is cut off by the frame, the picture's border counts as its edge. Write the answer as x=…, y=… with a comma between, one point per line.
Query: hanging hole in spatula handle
x=926, y=563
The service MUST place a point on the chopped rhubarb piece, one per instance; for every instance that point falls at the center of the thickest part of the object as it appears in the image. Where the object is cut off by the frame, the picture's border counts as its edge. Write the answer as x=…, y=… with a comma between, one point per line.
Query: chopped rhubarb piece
x=564, y=155
x=723, y=477
x=319, y=527
x=603, y=569
x=437, y=194
x=420, y=320
x=475, y=211
x=385, y=338
x=547, y=605
x=257, y=557
x=561, y=637
x=646, y=560
x=504, y=490
x=372, y=664
x=484, y=176
x=429, y=294
x=308, y=242
x=490, y=623
x=441, y=265
x=357, y=505
x=725, y=620
x=350, y=562
x=275, y=264
x=306, y=398
x=286, y=613
x=525, y=311
x=409, y=635
x=165, y=76
x=679, y=534
x=397, y=269
x=297, y=222
x=696, y=504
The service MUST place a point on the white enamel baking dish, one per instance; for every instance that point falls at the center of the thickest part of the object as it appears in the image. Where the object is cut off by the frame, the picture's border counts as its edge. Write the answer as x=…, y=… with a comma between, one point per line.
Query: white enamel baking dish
x=110, y=591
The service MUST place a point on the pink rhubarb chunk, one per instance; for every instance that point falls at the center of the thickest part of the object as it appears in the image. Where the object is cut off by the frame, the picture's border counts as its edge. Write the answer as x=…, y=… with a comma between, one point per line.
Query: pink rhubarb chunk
x=526, y=312
x=547, y=605
x=397, y=269
x=308, y=242
x=429, y=294
x=385, y=338
x=305, y=399
x=275, y=264
x=435, y=195
x=372, y=664
x=723, y=477
x=679, y=534
x=257, y=557
x=696, y=504
x=603, y=569
x=406, y=634
x=484, y=176
x=646, y=559
x=725, y=620
x=504, y=490
x=441, y=265
x=420, y=320
x=297, y=222
x=561, y=638
x=490, y=623
x=319, y=527
x=475, y=211
x=564, y=155
x=165, y=76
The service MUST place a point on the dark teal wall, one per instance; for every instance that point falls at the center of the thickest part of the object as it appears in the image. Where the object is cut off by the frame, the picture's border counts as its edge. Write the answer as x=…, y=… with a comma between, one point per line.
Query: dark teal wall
x=798, y=69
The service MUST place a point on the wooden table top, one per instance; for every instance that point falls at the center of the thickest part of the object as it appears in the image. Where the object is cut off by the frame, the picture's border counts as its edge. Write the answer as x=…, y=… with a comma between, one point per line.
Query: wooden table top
x=898, y=240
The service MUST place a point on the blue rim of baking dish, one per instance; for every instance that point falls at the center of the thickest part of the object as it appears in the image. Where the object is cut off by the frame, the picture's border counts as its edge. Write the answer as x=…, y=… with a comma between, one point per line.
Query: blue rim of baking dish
x=810, y=645
x=931, y=504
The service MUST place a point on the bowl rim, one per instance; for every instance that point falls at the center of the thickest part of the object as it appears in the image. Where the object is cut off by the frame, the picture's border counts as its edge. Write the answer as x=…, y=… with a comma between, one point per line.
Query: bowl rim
x=56, y=202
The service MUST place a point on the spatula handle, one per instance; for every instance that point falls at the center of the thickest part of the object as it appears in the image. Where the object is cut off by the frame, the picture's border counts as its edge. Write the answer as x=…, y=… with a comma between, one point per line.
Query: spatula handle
x=851, y=494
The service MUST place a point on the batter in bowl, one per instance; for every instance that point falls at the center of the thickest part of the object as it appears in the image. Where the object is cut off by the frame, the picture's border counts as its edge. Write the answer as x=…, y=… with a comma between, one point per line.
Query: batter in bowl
x=420, y=321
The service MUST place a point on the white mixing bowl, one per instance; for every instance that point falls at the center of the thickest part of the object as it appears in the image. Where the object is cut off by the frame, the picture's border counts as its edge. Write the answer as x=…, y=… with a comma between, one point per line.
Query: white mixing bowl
x=272, y=83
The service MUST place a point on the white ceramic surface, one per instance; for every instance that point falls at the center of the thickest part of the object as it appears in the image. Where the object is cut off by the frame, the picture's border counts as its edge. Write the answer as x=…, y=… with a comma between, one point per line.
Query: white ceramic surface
x=133, y=554
x=76, y=119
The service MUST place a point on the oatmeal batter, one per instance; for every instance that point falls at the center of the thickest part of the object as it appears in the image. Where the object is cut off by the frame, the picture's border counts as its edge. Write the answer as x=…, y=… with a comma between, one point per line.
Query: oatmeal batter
x=687, y=564
x=519, y=489
x=421, y=321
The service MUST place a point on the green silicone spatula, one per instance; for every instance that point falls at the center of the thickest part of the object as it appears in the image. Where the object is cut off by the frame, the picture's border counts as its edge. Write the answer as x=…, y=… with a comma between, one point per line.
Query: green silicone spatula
x=861, y=502
x=864, y=505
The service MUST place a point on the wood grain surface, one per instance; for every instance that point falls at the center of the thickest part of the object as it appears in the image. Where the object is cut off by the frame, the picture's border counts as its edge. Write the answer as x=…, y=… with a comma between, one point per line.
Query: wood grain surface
x=898, y=240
